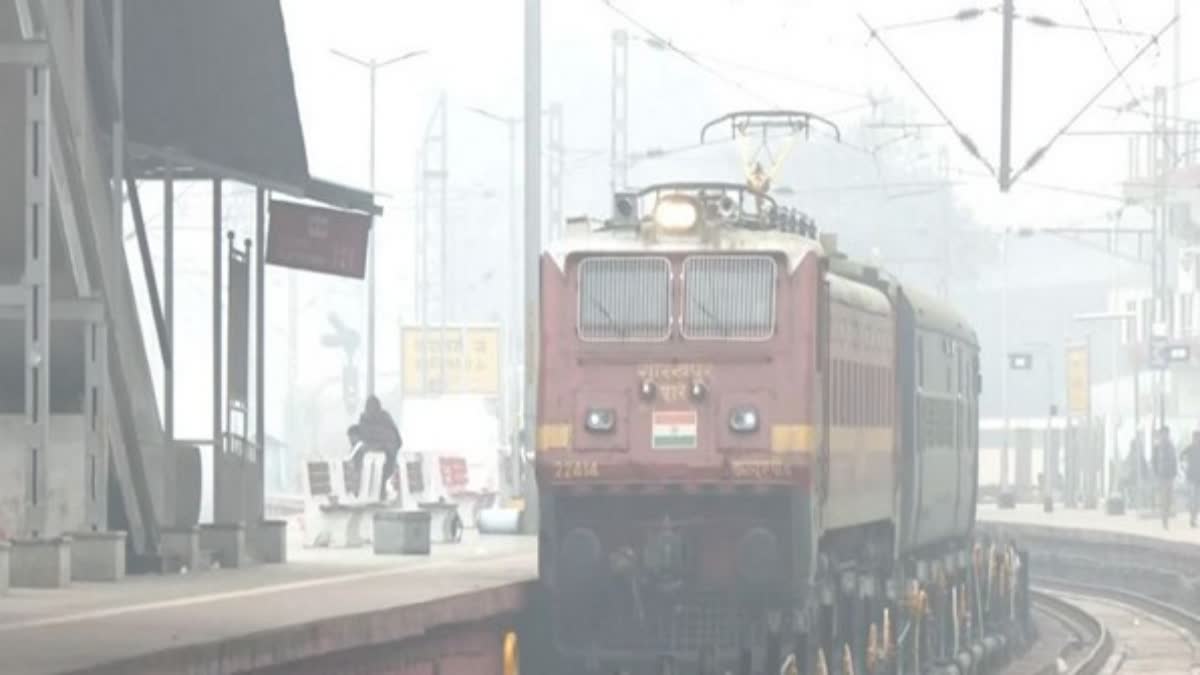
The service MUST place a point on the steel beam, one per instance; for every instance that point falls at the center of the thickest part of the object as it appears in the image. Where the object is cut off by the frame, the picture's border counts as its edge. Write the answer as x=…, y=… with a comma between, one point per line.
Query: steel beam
x=218, y=417
x=95, y=472
x=533, y=244
x=554, y=173
x=29, y=53
x=37, y=299
x=169, y=304
x=143, y=240
x=619, y=139
x=260, y=346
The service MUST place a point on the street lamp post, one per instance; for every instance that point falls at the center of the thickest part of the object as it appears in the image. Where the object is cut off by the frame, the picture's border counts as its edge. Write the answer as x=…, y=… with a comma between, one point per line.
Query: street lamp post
x=373, y=66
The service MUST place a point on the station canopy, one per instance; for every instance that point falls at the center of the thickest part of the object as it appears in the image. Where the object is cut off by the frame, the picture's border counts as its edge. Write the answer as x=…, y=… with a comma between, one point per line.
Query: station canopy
x=209, y=92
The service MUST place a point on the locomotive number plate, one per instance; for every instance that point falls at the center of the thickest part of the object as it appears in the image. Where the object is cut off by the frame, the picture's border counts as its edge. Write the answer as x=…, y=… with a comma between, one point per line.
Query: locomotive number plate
x=761, y=470
x=574, y=470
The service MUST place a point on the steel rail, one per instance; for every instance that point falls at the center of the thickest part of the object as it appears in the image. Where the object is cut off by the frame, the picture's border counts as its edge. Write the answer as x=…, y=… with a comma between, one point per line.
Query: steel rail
x=1103, y=645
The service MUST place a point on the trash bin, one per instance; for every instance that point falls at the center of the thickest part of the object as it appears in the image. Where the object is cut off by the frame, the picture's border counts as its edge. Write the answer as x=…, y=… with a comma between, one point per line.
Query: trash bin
x=402, y=532
x=445, y=525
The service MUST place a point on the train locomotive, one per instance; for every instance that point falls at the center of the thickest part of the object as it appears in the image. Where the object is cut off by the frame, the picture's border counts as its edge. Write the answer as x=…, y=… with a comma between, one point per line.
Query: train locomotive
x=752, y=453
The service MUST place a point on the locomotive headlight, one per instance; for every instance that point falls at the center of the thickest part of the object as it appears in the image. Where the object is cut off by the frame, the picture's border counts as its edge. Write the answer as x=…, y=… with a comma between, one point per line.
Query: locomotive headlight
x=648, y=390
x=676, y=214
x=743, y=420
x=600, y=420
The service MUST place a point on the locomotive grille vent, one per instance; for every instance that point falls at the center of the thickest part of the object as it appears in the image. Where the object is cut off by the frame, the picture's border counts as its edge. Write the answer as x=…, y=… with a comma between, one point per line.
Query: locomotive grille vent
x=729, y=297
x=625, y=299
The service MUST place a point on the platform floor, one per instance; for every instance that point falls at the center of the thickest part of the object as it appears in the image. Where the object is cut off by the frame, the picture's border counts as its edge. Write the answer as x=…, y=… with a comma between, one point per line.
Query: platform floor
x=1143, y=524
x=91, y=625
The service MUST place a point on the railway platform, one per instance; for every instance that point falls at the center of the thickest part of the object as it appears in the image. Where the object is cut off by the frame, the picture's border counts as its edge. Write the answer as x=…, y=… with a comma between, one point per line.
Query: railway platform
x=1093, y=523
x=324, y=606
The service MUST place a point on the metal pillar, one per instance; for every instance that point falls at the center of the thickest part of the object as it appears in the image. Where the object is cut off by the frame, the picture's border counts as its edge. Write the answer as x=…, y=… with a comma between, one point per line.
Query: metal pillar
x=620, y=110
x=1006, y=58
x=1161, y=301
x=443, y=289
x=260, y=348
x=118, y=131
x=372, y=243
x=169, y=302
x=1004, y=355
x=512, y=336
x=95, y=478
x=533, y=230
x=37, y=289
x=218, y=416
x=554, y=173
x=293, y=356
x=433, y=176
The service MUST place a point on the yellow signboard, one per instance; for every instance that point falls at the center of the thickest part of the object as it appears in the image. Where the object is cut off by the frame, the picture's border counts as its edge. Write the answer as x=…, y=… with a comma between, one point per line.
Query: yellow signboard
x=471, y=363
x=1079, y=381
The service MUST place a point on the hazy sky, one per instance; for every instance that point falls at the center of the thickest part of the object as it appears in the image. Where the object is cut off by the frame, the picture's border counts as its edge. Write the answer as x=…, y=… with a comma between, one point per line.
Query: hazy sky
x=476, y=58
x=753, y=53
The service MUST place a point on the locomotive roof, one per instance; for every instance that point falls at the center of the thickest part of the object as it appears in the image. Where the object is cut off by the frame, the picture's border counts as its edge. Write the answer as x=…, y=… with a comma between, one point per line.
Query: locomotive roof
x=932, y=312
x=936, y=314
x=614, y=240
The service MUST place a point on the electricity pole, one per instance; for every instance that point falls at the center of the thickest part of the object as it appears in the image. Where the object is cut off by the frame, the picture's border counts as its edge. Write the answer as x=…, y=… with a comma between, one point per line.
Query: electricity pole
x=373, y=66
x=512, y=354
x=1006, y=56
x=533, y=231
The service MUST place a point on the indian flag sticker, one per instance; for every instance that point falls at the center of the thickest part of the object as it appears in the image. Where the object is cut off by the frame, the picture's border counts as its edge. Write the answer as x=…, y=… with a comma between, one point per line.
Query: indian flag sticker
x=673, y=430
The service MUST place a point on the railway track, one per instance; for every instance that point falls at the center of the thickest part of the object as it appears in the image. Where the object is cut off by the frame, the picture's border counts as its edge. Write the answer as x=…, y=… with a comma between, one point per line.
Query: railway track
x=1116, y=631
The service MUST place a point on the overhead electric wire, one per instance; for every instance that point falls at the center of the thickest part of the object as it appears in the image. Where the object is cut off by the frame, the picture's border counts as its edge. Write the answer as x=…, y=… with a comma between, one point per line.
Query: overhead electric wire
x=1108, y=53
x=966, y=141
x=777, y=74
x=1062, y=189
x=1041, y=152
x=688, y=56
x=1042, y=21
x=961, y=15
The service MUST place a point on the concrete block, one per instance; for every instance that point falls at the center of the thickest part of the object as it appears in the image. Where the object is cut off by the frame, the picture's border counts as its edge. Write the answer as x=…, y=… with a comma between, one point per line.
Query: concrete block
x=180, y=548
x=226, y=542
x=97, y=556
x=402, y=532
x=4, y=567
x=269, y=541
x=40, y=563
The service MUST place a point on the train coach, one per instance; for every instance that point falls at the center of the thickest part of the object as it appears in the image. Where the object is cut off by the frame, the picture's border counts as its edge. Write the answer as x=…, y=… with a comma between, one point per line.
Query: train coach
x=751, y=451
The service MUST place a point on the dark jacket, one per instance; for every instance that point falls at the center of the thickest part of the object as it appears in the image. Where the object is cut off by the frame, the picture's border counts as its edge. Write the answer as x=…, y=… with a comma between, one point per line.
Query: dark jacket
x=1191, y=456
x=1166, y=463
x=377, y=429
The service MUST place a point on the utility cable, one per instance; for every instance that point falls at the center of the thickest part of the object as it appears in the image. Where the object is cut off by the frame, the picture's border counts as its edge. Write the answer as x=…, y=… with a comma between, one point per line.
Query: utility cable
x=961, y=15
x=963, y=138
x=1041, y=152
x=1108, y=54
x=686, y=55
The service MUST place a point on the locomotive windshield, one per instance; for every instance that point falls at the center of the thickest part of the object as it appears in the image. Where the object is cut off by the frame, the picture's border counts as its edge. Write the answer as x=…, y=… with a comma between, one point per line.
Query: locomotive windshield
x=625, y=299
x=728, y=297
x=629, y=299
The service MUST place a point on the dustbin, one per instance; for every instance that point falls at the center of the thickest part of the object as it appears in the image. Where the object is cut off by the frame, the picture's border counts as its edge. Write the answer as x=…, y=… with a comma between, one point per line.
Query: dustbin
x=402, y=532
x=445, y=525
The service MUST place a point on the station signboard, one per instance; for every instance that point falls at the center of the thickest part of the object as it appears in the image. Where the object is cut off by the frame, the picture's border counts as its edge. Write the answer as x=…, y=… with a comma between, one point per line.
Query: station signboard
x=471, y=360
x=1079, y=383
x=317, y=239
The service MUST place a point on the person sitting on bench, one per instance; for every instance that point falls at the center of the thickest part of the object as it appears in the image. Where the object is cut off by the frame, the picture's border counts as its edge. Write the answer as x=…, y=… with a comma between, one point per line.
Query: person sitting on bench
x=376, y=431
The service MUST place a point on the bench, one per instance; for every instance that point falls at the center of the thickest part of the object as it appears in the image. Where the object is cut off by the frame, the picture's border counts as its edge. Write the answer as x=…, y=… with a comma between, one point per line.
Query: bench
x=455, y=487
x=340, y=501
